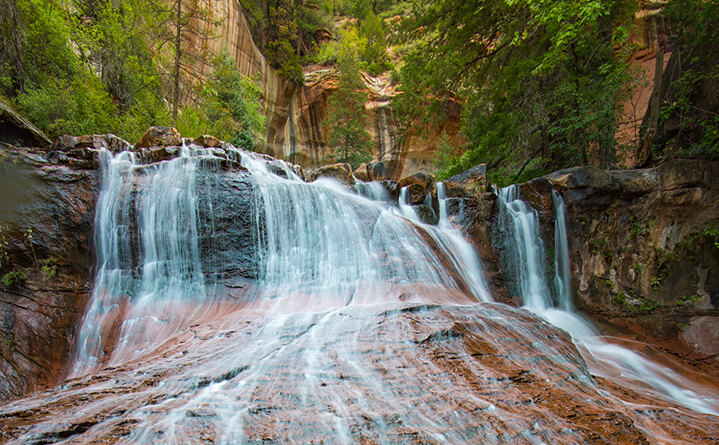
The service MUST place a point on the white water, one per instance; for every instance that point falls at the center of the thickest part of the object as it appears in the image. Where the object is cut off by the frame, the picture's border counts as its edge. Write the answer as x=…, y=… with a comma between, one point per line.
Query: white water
x=158, y=205
x=562, y=278
x=520, y=222
x=320, y=247
x=313, y=336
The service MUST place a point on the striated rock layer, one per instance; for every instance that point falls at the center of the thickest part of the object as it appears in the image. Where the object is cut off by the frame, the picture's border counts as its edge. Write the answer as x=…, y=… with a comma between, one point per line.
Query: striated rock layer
x=295, y=114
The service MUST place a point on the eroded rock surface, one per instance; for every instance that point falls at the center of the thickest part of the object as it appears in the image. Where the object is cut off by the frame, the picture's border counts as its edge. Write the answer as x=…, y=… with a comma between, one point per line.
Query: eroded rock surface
x=413, y=372
x=47, y=262
x=642, y=245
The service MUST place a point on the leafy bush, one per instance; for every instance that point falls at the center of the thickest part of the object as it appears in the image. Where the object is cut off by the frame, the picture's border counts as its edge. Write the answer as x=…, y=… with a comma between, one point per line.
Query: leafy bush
x=232, y=104
x=13, y=278
x=78, y=106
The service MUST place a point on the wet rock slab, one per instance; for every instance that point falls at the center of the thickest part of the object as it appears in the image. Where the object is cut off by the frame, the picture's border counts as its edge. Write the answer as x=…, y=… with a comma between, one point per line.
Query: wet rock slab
x=398, y=373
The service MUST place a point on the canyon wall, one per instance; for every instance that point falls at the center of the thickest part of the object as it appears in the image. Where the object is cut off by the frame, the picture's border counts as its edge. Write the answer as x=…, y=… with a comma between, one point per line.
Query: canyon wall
x=46, y=261
x=295, y=114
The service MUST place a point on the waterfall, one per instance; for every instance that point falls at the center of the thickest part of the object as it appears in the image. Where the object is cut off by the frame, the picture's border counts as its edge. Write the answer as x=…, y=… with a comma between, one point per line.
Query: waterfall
x=235, y=303
x=319, y=246
x=519, y=224
x=524, y=249
x=562, y=279
x=147, y=258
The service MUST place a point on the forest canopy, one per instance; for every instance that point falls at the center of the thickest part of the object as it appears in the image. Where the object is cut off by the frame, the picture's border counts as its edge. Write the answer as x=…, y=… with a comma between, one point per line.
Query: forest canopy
x=540, y=83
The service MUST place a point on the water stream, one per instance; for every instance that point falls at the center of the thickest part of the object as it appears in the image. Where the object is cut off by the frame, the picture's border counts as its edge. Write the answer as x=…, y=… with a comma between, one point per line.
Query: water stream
x=526, y=257
x=235, y=303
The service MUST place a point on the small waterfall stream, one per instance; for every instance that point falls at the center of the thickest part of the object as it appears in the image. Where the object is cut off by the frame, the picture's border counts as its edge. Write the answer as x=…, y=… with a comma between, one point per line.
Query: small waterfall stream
x=520, y=225
x=235, y=303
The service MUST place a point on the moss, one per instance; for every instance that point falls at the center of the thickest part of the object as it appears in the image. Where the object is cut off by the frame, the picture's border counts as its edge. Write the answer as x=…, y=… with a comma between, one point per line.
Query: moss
x=688, y=300
x=635, y=303
x=655, y=283
x=50, y=268
x=14, y=277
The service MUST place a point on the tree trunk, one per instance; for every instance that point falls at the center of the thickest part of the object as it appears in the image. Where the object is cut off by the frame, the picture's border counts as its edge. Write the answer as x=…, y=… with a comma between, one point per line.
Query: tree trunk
x=12, y=46
x=176, y=73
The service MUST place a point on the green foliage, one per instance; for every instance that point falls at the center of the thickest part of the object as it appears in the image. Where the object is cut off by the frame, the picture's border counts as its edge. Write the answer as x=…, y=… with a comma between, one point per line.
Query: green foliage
x=688, y=300
x=446, y=154
x=346, y=119
x=78, y=106
x=233, y=106
x=285, y=30
x=49, y=269
x=694, y=119
x=13, y=278
x=540, y=81
x=656, y=283
x=374, y=52
x=636, y=304
x=4, y=256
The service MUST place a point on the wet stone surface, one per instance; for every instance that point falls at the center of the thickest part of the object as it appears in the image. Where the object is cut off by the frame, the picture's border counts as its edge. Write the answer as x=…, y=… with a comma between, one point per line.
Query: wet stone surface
x=399, y=373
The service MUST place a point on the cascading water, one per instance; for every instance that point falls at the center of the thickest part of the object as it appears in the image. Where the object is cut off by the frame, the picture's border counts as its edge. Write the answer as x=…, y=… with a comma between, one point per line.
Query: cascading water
x=519, y=224
x=562, y=279
x=234, y=303
x=148, y=260
x=520, y=227
x=319, y=246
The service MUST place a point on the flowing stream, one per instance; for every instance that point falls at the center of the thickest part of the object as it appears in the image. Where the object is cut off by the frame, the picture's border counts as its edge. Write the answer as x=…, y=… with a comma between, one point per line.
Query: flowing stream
x=235, y=303
x=525, y=255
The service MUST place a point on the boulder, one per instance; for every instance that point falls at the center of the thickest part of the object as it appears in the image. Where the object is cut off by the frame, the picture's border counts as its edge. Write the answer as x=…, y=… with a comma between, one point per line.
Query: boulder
x=340, y=171
x=472, y=182
x=207, y=141
x=377, y=171
x=362, y=173
x=419, y=186
x=159, y=137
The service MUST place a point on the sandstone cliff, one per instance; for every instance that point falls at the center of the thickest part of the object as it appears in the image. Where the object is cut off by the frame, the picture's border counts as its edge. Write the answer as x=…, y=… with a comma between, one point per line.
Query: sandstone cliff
x=295, y=114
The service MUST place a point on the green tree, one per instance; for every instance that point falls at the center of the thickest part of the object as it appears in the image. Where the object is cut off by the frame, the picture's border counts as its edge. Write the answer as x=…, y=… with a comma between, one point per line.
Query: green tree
x=286, y=30
x=374, y=51
x=346, y=121
x=233, y=105
x=688, y=119
x=539, y=81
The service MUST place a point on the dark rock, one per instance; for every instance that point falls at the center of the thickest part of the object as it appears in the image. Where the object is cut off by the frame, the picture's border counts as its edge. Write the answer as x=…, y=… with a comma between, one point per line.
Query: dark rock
x=227, y=238
x=377, y=171
x=472, y=182
x=392, y=188
x=419, y=186
x=159, y=137
x=47, y=225
x=538, y=194
x=426, y=214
